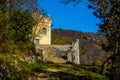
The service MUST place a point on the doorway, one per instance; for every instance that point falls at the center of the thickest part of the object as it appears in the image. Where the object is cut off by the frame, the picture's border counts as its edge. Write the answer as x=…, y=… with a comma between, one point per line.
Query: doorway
x=37, y=41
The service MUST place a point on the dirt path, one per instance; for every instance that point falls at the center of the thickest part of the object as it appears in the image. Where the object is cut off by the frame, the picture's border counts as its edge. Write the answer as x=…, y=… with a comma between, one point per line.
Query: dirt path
x=53, y=73
x=66, y=72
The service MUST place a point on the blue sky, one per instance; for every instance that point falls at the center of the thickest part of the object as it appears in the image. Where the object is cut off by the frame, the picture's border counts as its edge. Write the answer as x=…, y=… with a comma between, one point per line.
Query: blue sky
x=78, y=17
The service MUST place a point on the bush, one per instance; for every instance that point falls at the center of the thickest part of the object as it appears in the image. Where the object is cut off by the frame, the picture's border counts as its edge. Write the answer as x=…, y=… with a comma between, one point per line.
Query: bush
x=36, y=67
x=97, y=63
x=16, y=66
x=22, y=26
x=7, y=47
x=96, y=69
x=1, y=60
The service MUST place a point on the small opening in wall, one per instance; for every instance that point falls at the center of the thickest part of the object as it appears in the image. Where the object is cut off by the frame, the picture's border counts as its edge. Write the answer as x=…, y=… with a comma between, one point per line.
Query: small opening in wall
x=44, y=31
x=37, y=41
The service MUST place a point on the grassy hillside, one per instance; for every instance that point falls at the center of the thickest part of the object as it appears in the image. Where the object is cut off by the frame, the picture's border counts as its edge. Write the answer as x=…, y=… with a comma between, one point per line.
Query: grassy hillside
x=17, y=63
x=51, y=71
x=14, y=60
x=90, y=44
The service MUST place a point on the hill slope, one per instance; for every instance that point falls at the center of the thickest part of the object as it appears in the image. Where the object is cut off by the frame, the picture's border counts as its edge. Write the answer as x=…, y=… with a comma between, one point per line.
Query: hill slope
x=90, y=44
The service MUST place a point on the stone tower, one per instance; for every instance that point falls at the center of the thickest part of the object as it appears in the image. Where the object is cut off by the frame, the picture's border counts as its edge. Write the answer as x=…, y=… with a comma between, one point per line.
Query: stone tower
x=42, y=30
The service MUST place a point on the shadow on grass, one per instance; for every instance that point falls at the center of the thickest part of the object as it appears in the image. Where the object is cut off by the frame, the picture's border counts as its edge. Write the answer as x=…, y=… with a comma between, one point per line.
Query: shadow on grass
x=66, y=76
x=92, y=68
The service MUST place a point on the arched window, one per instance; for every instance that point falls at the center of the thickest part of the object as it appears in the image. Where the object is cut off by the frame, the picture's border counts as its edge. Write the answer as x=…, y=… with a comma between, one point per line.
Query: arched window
x=44, y=31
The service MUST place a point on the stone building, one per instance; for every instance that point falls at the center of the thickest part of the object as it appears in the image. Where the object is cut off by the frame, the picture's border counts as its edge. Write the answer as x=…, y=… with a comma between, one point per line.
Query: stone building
x=42, y=30
x=41, y=36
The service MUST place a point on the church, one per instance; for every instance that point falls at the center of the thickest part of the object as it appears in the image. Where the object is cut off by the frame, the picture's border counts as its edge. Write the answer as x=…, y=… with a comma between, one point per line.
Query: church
x=42, y=30
x=41, y=36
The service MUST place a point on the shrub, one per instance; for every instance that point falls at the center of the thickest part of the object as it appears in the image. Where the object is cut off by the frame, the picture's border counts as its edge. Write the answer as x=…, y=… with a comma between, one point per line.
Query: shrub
x=97, y=63
x=7, y=47
x=22, y=26
x=36, y=67
x=96, y=69
x=1, y=60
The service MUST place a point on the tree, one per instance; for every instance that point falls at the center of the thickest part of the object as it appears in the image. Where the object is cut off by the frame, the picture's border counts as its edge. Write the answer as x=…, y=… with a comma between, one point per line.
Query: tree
x=11, y=13
x=108, y=11
x=3, y=26
x=12, y=5
x=22, y=24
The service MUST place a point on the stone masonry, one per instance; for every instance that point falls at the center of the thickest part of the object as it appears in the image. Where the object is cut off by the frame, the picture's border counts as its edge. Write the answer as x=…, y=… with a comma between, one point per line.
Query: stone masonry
x=73, y=54
x=60, y=53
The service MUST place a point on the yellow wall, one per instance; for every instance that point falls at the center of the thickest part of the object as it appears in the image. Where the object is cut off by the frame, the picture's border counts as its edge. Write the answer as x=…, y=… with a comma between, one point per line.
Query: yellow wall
x=42, y=22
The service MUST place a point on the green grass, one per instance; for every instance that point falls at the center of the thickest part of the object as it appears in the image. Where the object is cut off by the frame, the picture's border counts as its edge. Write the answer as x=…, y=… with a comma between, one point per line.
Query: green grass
x=74, y=72
x=71, y=72
x=40, y=66
x=90, y=72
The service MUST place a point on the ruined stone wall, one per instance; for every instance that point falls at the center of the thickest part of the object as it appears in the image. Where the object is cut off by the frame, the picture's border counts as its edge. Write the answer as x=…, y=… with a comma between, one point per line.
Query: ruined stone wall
x=49, y=54
x=60, y=53
x=73, y=54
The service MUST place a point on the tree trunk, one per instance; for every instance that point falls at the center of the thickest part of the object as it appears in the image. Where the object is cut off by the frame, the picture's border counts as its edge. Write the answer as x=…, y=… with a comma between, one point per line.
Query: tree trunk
x=107, y=64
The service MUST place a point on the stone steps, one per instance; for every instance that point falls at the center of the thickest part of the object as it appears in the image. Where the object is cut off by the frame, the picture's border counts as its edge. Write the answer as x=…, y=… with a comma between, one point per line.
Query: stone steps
x=50, y=54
